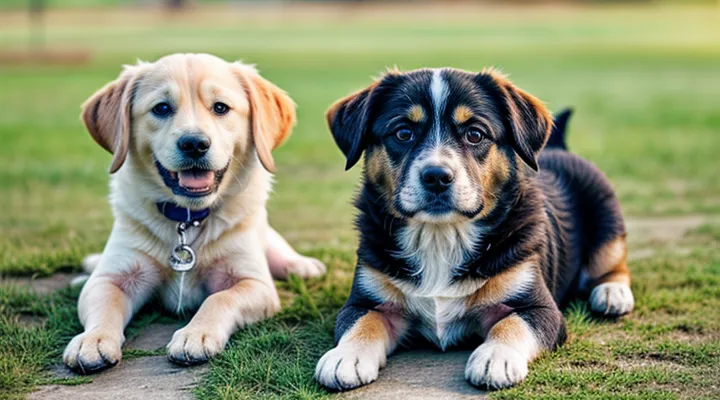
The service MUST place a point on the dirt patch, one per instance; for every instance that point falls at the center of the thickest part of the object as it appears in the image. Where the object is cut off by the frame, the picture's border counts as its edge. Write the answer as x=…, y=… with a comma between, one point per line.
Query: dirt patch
x=31, y=321
x=44, y=57
x=659, y=230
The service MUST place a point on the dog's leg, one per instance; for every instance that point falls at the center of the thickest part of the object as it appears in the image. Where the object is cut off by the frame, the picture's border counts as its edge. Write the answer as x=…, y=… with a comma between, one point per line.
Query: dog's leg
x=609, y=278
x=221, y=314
x=514, y=341
x=107, y=302
x=284, y=260
x=364, y=338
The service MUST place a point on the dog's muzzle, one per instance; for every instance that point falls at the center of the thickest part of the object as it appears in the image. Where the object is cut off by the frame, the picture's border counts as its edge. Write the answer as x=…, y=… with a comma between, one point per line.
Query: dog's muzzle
x=192, y=182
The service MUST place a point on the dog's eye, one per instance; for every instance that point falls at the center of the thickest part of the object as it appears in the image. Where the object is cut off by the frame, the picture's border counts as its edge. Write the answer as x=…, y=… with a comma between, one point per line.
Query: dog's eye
x=404, y=135
x=220, y=108
x=474, y=136
x=162, y=110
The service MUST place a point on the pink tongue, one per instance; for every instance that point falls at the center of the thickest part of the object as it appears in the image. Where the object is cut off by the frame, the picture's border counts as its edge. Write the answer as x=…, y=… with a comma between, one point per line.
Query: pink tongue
x=196, y=179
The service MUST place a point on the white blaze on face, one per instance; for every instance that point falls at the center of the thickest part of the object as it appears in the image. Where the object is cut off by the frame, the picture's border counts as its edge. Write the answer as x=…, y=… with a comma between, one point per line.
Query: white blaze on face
x=439, y=94
x=439, y=153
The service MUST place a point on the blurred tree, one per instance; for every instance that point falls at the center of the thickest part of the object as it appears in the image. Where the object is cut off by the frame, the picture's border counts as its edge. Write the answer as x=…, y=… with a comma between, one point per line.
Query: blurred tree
x=176, y=4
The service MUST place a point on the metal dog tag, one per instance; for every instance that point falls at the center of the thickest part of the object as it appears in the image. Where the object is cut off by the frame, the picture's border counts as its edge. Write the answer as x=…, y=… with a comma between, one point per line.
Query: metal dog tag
x=182, y=258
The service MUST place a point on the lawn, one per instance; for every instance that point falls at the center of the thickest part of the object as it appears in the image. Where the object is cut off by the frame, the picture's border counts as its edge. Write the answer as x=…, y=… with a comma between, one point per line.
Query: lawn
x=644, y=83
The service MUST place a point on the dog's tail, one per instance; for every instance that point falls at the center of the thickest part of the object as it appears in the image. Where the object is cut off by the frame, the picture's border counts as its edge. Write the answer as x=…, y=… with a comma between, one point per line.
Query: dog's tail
x=91, y=262
x=557, y=136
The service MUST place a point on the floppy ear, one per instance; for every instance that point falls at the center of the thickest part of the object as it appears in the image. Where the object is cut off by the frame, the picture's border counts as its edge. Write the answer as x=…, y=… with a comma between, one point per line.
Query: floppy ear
x=529, y=119
x=272, y=113
x=348, y=120
x=106, y=115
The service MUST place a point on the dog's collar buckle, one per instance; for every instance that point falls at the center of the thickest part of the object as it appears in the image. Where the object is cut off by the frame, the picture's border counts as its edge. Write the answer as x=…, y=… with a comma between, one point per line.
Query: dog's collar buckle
x=182, y=257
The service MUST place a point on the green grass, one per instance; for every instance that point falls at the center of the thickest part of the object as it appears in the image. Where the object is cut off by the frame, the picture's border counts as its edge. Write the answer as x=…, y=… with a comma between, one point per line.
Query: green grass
x=644, y=84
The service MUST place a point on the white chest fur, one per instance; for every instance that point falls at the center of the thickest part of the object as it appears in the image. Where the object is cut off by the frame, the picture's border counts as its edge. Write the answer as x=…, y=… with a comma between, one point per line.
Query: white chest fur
x=435, y=250
x=440, y=318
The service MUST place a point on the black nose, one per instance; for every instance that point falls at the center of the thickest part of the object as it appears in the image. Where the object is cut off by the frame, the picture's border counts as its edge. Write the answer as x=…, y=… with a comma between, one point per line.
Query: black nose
x=194, y=146
x=436, y=179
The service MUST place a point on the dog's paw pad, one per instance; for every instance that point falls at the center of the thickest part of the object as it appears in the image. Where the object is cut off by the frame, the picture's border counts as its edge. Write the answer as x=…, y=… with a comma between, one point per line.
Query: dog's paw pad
x=347, y=367
x=192, y=346
x=306, y=267
x=496, y=366
x=92, y=352
x=612, y=299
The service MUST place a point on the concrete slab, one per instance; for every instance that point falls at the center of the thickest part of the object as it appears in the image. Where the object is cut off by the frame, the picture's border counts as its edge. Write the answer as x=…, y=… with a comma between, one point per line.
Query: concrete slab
x=137, y=379
x=45, y=285
x=420, y=375
x=153, y=337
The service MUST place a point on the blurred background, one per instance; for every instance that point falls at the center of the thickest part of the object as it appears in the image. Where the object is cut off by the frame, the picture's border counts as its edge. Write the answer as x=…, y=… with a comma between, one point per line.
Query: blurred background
x=643, y=77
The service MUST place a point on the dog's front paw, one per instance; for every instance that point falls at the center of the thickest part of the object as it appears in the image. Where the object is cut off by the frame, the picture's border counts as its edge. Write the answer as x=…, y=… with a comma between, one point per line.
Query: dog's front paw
x=93, y=351
x=305, y=267
x=496, y=366
x=612, y=299
x=349, y=366
x=192, y=346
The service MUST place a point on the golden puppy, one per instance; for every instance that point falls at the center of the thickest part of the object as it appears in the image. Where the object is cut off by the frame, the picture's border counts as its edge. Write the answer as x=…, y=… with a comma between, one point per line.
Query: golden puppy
x=191, y=137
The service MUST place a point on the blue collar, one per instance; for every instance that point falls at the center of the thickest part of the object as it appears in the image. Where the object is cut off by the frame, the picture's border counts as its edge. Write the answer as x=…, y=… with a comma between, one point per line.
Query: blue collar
x=176, y=213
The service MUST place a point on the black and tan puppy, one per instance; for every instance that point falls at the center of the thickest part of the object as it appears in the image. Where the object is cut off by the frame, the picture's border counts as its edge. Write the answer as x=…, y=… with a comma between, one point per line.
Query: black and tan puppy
x=469, y=230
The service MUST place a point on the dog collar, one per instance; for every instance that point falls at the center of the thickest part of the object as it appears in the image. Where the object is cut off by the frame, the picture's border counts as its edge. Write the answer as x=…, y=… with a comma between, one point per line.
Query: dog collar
x=174, y=212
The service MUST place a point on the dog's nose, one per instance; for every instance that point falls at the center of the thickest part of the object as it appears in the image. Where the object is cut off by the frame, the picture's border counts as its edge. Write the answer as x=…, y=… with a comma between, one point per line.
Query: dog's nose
x=436, y=179
x=194, y=146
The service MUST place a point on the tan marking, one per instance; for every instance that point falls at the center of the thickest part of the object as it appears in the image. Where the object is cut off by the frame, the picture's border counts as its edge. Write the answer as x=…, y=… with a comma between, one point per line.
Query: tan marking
x=608, y=263
x=462, y=114
x=416, y=113
x=496, y=74
x=495, y=173
x=385, y=287
x=378, y=167
x=369, y=328
x=509, y=330
x=497, y=288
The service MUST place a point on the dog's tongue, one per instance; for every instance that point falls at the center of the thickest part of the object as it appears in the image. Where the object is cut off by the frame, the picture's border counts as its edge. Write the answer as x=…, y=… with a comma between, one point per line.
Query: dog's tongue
x=195, y=179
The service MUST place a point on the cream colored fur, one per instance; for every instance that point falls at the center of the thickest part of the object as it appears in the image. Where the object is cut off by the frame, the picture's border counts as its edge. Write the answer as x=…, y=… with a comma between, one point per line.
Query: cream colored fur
x=238, y=252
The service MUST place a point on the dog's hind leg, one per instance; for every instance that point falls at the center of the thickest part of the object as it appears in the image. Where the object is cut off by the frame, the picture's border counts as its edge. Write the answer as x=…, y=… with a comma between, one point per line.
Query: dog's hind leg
x=284, y=260
x=609, y=278
x=606, y=274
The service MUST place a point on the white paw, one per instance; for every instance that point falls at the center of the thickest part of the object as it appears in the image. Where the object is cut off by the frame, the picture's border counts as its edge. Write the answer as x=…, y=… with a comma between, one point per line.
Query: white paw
x=349, y=366
x=191, y=346
x=305, y=267
x=93, y=351
x=496, y=366
x=612, y=299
